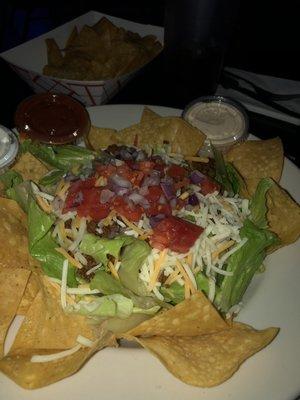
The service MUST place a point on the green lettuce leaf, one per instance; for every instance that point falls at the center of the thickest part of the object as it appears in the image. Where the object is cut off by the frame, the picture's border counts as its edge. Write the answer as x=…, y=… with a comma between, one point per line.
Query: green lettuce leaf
x=133, y=257
x=257, y=206
x=52, y=177
x=100, y=248
x=108, y=285
x=175, y=292
x=42, y=245
x=65, y=157
x=111, y=306
x=243, y=264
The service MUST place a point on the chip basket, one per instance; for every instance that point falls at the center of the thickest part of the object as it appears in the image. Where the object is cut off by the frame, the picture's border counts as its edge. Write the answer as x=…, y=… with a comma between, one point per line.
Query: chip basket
x=29, y=58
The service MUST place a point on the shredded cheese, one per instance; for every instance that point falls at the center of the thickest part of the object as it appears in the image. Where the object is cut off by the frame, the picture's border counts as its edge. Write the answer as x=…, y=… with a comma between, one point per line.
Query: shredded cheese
x=55, y=356
x=71, y=260
x=43, y=204
x=112, y=269
x=63, y=286
x=157, y=267
x=223, y=247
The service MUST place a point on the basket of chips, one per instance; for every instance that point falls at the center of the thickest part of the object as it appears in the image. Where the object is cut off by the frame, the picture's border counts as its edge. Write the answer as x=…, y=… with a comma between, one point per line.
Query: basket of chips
x=89, y=58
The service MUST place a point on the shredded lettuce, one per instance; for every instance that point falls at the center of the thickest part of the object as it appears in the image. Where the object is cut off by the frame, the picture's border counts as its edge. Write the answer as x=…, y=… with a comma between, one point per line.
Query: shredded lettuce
x=243, y=264
x=115, y=305
x=100, y=248
x=42, y=245
x=257, y=206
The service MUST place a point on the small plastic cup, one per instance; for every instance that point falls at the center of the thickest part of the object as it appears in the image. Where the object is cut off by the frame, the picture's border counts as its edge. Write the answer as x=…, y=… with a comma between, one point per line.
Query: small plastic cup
x=9, y=146
x=224, y=121
x=52, y=118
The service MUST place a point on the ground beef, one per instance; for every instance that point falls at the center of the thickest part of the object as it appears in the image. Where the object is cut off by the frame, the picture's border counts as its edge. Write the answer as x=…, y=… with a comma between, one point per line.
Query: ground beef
x=92, y=227
x=208, y=169
x=90, y=264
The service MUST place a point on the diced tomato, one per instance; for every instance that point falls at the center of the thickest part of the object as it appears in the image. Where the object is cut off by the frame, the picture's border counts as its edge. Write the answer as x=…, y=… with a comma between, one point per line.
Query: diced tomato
x=176, y=234
x=131, y=212
x=91, y=206
x=146, y=166
x=74, y=198
x=177, y=172
x=153, y=197
x=182, y=183
x=154, y=193
x=106, y=170
x=209, y=186
x=135, y=177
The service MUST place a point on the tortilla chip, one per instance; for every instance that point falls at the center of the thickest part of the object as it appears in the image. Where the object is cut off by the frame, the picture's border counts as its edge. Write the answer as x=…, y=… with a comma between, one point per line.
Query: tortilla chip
x=283, y=215
x=30, y=167
x=210, y=359
x=13, y=232
x=100, y=138
x=192, y=317
x=182, y=137
x=148, y=115
x=13, y=283
x=31, y=290
x=47, y=326
x=256, y=159
x=72, y=38
x=196, y=344
x=29, y=375
x=54, y=55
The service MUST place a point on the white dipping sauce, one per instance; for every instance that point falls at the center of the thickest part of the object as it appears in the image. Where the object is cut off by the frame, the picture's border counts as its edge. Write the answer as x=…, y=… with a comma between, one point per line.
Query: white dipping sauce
x=222, y=122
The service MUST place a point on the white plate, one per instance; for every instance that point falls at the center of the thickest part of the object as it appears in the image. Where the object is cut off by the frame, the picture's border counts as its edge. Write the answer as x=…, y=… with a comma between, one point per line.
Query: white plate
x=132, y=373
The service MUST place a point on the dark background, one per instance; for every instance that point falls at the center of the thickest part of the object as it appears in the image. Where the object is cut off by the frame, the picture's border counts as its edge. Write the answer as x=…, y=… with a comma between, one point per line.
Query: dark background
x=265, y=40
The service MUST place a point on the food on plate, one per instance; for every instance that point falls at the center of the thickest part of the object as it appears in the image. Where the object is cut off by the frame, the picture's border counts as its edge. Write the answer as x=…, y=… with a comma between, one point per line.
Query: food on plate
x=134, y=240
x=215, y=348
x=256, y=159
x=99, y=52
x=181, y=137
x=13, y=283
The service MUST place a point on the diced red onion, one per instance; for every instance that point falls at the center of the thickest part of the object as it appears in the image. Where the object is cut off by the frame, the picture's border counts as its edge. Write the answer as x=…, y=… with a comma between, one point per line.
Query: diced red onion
x=162, y=200
x=120, y=181
x=152, y=180
x=153, y=221
x=144, y=190
x=137, y=198
x=193, y=200
x=125, y=154
x=197, y=177
x=106, y=195
x=168, y=190
x=141, y=156
x=173, y=202
x=78, y=199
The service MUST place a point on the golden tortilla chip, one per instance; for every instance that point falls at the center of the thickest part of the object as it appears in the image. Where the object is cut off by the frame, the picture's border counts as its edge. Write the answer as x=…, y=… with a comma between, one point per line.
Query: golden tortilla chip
x=182, y=137
x=148, y=115
x=72, y=38
x=54, y=55
x=31, y=290
x=13, y=232
x=256, y=159
x=196, y=345
x=192, y=317
x=100, y=138
x=283, y=215
x=32, y=375
x=47, y=326
x=30, y=167
x=13, y=283
x=210, y=359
